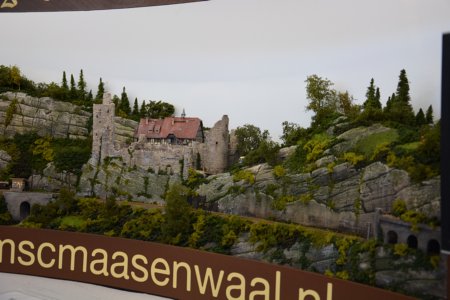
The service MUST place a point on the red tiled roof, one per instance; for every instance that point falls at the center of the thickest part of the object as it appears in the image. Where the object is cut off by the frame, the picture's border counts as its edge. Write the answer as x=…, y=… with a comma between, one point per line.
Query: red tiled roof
x=182, y=128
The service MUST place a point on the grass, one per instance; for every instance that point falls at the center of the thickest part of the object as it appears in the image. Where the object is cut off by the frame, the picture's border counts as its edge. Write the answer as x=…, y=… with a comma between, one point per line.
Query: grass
x=367, y=145
x=73, y=221
x=410, y=147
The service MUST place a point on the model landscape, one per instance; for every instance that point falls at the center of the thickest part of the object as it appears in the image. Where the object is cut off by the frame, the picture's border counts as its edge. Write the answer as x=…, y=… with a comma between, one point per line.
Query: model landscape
x=355, y=195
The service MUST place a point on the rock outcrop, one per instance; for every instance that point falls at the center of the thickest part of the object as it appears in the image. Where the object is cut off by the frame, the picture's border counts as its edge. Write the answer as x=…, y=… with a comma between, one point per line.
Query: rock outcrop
x=115, y=178
x=341, y=198
x=20, y=113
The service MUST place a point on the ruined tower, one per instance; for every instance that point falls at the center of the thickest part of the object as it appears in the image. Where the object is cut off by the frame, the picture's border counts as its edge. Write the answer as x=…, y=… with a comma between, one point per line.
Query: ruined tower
x=103, y=129
x=216, y=142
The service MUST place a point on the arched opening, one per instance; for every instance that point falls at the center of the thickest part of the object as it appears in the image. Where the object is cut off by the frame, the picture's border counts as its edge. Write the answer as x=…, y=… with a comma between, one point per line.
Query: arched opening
x=25, y=209
x=392, y=237
x=433, y=248
x=412, y=242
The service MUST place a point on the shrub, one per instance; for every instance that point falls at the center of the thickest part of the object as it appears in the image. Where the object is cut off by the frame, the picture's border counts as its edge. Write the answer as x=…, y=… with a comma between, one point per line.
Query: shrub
x=244, y=175
x=353, y=158
x=401, y=249
x=279, y=171
x=398, y=207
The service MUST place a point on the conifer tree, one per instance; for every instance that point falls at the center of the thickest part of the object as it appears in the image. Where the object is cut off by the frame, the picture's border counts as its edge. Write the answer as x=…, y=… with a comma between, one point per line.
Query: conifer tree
x=81, y=85
x=399, y=108
x=143, y=110
x=372, y=97
x=64, y=84
x=124, y=104
x=135, y=112
x=89, y=98
x=73, y=90
x=429, y=116
x=100, y=90
x=420, y=118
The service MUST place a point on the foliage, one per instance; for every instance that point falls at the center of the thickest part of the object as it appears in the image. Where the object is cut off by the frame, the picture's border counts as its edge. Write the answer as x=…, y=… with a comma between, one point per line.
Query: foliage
x=177, y=215
x=279, y=171
x=249, y=137
x=267, y=152
x=195, y=179
x=398, y=207
x=157, y=109
x=280, y=202
x=5, y=216
x=292, y=133
x=353, y=158
x=244, y=175
x=401, y=249
x=315, y=146
x=367, y=144
x=10, y=111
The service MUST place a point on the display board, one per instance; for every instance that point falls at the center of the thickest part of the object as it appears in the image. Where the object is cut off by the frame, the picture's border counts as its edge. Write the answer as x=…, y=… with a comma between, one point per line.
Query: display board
x=168, y=271
x=79, y=5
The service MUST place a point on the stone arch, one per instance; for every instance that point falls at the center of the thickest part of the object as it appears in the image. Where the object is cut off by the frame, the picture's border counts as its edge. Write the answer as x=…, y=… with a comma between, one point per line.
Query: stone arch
x=25, y=209
x=412, y=242
x=433, y=247
x=392, y=237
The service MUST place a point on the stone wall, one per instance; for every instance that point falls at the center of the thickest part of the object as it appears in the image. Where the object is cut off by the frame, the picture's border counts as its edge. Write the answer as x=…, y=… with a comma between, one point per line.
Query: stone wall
x=42, y=115
x=19, y=203
x=216, y=148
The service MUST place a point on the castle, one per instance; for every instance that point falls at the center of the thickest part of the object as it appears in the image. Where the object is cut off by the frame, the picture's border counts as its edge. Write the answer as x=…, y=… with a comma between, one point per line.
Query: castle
x=171, y=145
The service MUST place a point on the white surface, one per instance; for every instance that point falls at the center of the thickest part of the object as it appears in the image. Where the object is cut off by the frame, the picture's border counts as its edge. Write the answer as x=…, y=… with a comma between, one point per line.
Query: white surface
x=23, y=287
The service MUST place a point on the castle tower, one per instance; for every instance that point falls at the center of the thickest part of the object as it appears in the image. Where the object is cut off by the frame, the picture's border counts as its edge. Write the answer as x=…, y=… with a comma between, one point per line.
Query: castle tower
x=217, y=151
x=103, y=129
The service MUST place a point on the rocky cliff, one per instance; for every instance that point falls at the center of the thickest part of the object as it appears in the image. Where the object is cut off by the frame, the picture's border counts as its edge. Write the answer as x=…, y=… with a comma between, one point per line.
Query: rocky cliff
x=339, y=198
x=21, y=113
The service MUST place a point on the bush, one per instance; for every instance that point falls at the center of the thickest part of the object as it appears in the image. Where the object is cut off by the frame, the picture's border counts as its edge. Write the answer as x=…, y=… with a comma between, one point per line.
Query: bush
x=353, y=158
x=279, y=171
x=244, y=175
x=398, y=207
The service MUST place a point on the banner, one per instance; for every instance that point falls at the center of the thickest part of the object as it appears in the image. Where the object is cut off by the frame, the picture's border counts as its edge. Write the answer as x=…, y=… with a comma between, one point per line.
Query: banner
x=168, y=271
x=79, y=5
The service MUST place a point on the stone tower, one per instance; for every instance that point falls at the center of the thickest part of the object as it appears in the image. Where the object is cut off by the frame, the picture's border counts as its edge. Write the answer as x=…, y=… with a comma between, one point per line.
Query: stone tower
x=217, y=151
x=103, y=130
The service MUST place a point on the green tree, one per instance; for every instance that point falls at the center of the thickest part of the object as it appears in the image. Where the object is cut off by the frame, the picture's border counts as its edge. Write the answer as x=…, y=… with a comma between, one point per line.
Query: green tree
x=249, y=137
x=323, y=100
x=177, y=214
x=420, y=118
x=292, y=133
x=372, y=106
x=124, y=104
x=429, y=115
x=347, y=107
x=400, y=109
x=159, y=109
x=15, y=76
x=100, y=91
x=135, y=112
x=81, y=85
x=64, y=84
x=73, y=93
x=143, y=110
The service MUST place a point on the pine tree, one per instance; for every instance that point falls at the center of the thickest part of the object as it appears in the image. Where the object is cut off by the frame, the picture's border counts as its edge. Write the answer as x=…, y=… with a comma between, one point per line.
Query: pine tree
x=429, y=116
x=81, y=85
x=143, y=110
x=420, y=118
x=124, y=104
x=378, y=96
x=135, y=112
x=64, y=84
x=400, y=109
x=116, y=101
x=100, y=90
x=73, y=90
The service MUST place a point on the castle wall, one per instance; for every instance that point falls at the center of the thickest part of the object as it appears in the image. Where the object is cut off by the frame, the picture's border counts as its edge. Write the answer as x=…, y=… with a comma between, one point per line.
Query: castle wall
x=103, y=130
